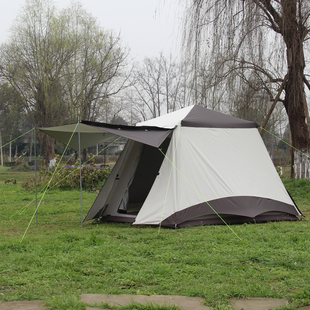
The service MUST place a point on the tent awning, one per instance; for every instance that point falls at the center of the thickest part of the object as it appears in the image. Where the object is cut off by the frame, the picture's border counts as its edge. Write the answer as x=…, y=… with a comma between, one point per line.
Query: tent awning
x=92, y=133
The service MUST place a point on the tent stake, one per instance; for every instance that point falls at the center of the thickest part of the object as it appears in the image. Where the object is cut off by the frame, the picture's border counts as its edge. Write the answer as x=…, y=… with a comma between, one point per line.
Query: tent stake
x=79, y=135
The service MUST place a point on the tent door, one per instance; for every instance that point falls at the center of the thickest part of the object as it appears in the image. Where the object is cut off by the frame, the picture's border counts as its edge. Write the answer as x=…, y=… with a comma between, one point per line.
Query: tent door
x=147, y=170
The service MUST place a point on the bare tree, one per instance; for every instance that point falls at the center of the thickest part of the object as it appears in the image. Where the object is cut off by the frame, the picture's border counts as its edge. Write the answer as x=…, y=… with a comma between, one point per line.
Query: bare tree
x=97, y=69
x=234, y=38
x=159, y=87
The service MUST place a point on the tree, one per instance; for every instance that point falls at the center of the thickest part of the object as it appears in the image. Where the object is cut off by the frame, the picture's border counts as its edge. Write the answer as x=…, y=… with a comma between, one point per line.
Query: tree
x=159, y=86
x=11, y=114
x=97, y=69
x=266, y=38
x=32, y=62
x=61, y=63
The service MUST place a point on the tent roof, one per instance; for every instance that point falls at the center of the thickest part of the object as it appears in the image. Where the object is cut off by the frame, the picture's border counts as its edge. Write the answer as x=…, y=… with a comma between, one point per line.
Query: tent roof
x=152, y=132
x=170, y=120
x=202, y=117
x=197, y=116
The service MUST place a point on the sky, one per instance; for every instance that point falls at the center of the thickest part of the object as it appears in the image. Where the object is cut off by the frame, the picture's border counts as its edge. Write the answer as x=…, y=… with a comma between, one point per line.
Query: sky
x=147, y=27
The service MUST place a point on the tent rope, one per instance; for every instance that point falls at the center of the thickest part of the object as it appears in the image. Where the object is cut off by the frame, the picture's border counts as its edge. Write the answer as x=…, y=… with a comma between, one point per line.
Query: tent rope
x=23, y=209
x=47, y=186
x=45, y=189
x=17, y=138
x=293, y=147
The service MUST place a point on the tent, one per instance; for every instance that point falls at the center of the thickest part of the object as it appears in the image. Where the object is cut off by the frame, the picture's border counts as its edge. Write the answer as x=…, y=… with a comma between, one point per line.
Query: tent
x=194, y=166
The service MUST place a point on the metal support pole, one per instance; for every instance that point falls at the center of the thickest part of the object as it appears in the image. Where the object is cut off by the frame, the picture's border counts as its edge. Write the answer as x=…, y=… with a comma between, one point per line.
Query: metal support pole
x=35, y=172
x=79, y=137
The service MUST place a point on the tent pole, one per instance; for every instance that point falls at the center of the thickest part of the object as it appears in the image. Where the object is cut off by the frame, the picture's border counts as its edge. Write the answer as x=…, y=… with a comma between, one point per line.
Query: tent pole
x=79, y=135
x=35, y=172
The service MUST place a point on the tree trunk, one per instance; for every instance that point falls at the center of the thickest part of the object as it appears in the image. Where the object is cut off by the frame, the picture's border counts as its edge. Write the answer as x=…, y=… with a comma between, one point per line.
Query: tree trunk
x=30, y=148
x=48, y=149
x=45, y=119
x=10, y=150
x=301, y=165
x=84, y=155
x=295, y=99
x=1, y=151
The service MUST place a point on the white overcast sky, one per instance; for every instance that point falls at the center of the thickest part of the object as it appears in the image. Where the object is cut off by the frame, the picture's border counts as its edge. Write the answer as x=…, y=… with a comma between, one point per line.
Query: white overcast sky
x=147, y=27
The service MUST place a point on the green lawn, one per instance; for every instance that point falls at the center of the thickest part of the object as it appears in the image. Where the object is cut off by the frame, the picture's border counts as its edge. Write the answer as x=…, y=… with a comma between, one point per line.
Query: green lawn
x=12, y=174
x=57, y=261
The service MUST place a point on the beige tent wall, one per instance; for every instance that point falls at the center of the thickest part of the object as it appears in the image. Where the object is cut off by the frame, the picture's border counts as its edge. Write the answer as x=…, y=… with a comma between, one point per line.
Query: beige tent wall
x=210, y=164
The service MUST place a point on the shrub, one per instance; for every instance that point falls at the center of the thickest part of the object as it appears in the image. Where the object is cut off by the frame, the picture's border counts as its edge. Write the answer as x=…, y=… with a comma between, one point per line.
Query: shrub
x=68, y=176
x=21, y=166
x=10, y=164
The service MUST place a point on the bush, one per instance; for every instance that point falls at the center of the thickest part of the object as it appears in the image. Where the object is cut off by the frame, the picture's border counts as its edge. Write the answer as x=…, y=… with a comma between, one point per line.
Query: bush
x=22, y=166
x=10, y=164
x=68, y=176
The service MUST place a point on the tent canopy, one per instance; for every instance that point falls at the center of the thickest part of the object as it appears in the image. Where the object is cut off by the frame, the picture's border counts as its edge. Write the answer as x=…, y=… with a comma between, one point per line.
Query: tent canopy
x=92, y=133
x=150, y=135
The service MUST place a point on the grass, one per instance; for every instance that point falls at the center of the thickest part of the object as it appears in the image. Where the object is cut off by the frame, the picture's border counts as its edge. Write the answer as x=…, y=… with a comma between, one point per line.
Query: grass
x=7, y=173
x=58, y=261
x=136, y=306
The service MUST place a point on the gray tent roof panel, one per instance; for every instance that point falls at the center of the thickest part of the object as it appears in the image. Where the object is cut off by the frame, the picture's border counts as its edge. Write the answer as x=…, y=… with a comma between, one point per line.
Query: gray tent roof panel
x=89, y=136
x=206, y=118
x=150, y=135
x=92, y=133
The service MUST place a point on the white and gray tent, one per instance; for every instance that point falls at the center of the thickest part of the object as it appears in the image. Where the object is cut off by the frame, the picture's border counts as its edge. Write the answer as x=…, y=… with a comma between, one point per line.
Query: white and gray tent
x=194, y=166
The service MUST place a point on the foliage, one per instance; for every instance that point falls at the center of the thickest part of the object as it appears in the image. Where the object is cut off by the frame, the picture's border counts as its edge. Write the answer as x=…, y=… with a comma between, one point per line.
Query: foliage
x=9, y=181
x=300, y=189
x=11, y=112
x=66, y=176
x=57, y=261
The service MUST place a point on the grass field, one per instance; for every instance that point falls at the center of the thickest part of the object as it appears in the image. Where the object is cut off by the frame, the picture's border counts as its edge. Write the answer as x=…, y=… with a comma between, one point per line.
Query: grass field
x=57, y=261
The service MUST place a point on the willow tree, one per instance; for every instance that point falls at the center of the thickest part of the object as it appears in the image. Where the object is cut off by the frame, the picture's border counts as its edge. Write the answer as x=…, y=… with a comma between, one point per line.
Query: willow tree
x=236, y=40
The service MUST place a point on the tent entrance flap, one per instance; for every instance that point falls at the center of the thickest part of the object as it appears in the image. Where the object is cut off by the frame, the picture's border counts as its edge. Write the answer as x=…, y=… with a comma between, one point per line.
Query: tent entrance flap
x=129, y=183
x=145, y=175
